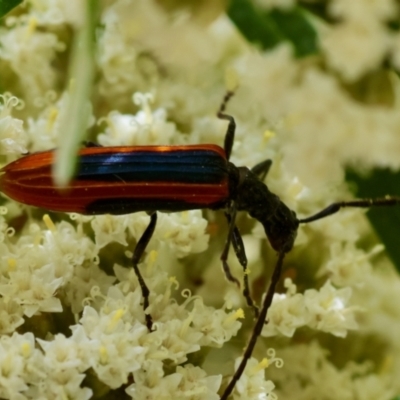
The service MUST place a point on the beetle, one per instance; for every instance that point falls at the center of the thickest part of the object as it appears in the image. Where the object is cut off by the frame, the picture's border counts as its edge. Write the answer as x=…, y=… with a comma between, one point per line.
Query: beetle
x=127, y=179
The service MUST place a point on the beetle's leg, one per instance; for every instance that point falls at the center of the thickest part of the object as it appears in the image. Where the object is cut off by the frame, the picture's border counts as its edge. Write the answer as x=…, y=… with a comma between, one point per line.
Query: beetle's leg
x=361, y=203
x=137, y=255
x=225, y=252
x=261, y=320
x=262, y=169
x=230, y=132
x=240, y=252
x=89, y=143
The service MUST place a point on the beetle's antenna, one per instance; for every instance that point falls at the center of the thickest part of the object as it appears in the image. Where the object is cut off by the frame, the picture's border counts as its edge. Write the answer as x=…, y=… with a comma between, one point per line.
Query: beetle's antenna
x=261, y=320
x=360, y=203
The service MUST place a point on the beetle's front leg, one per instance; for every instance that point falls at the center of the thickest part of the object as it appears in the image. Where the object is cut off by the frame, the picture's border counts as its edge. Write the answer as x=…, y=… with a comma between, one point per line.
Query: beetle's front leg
x=224, y=256
x=137, y=255
x=240, y=252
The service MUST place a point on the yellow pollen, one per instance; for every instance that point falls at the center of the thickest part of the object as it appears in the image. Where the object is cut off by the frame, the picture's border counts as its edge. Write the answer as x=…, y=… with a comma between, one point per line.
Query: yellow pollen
x=49, y=223
x=53, y=114
x=116, y=318
x=173, y=280
x=103, y=354
x=31, y=27
x=185, y=217
x=386, y=365
x=238, y=314
x=151, y=259
x=263, y=364
x=12, y=264
x=153, y=256
x=268, y=135
x=26, y=349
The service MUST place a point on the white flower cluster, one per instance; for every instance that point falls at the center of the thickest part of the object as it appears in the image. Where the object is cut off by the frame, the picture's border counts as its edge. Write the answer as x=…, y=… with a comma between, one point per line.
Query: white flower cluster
x=360, y=41
x=324, y=310
x=13, y=139
x=72, y=324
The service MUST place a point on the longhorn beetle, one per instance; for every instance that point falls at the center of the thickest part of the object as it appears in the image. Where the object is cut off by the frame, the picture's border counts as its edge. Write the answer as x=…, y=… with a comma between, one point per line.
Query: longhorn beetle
x=122, y=180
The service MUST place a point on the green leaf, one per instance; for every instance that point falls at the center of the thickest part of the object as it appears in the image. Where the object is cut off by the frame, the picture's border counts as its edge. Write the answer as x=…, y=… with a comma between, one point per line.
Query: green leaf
x=253, y=25
x=268, y=29
x=297, y=29
x=385, y=220
x=75, y=121
x=8, y=5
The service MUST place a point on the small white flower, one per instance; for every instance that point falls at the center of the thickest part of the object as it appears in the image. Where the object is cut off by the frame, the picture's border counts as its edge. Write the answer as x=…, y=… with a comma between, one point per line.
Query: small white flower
x=147, y=127
x=287, y=313
x=217, y=326
x=347, y=265
x=252, y=384
x=328, y=309
x=108, y=229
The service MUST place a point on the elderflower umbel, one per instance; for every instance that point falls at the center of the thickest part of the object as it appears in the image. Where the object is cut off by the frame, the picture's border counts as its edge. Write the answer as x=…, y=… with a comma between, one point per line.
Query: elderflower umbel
x=71, y=307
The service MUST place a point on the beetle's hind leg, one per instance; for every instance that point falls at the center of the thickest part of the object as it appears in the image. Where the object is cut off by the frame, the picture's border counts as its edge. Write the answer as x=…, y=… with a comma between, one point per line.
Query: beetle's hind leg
x=137, y=255
x=231, y=217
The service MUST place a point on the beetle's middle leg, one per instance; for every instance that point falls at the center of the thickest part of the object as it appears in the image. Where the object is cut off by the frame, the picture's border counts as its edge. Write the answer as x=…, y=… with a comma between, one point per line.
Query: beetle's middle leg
x=137, y=255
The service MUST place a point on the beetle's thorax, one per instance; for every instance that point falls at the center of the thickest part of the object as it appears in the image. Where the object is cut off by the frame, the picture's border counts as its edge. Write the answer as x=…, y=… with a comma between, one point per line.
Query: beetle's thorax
x=252, y=195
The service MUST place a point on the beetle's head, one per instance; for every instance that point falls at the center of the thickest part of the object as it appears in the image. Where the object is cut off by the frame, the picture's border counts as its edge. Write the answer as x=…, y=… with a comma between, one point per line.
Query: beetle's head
x=281, y=228
x=280, y=223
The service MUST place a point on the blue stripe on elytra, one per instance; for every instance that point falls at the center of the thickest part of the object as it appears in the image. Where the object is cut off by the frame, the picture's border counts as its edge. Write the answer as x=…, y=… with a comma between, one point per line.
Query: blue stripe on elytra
x=193, y=166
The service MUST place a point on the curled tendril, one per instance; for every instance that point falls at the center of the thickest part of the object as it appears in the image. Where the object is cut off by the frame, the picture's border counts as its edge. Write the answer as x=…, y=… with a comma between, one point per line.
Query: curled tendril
x=102, y=120
x=96, y=292
x=11, y=101
x=81, y=218
x=186, y=293
x=190, y=300
x=10, y=231
x=174, y=282
x=271, y=353
x=86, y=301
